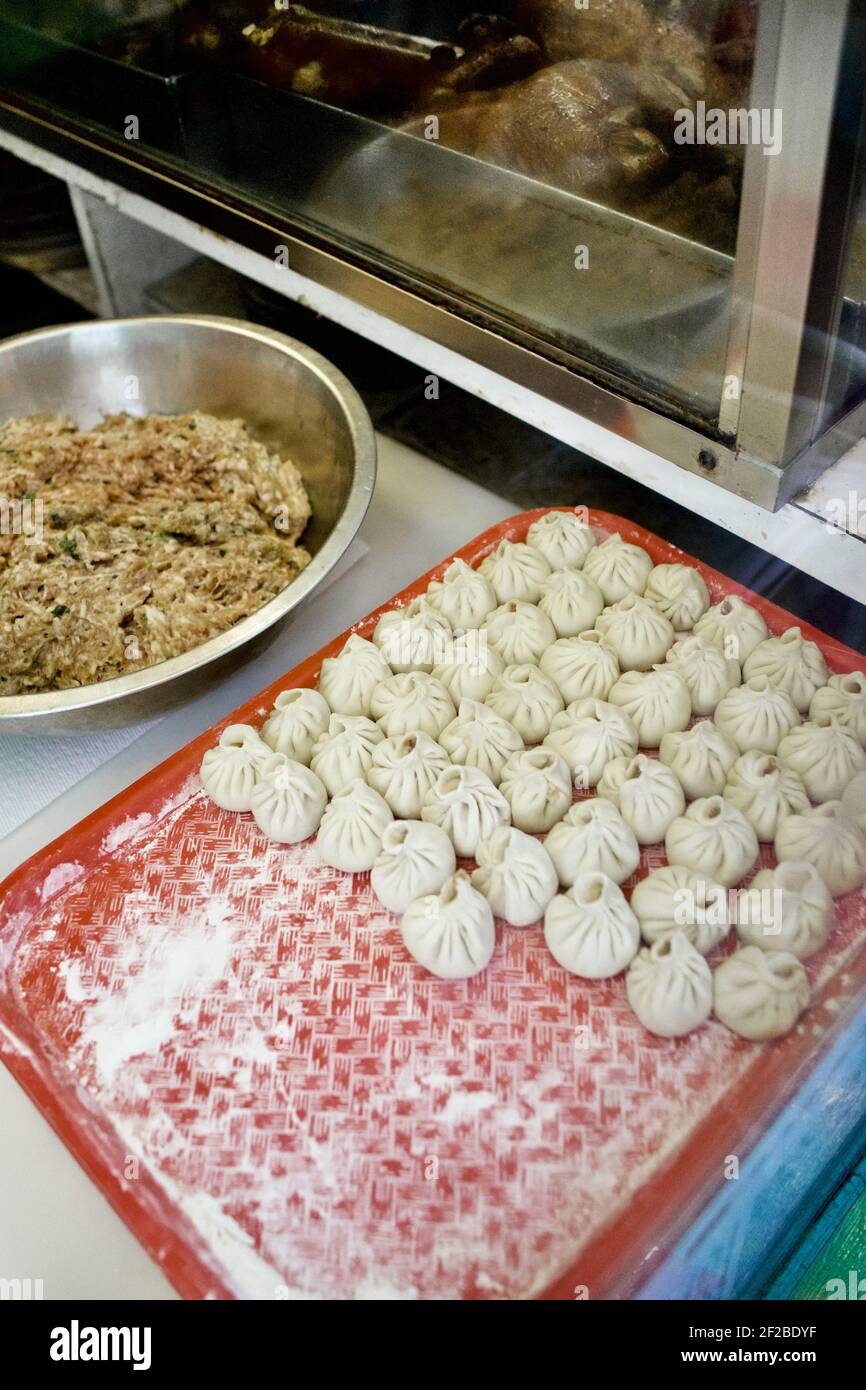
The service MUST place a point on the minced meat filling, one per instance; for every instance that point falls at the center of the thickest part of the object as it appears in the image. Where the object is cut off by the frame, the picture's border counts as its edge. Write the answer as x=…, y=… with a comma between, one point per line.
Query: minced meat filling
x=135, y=541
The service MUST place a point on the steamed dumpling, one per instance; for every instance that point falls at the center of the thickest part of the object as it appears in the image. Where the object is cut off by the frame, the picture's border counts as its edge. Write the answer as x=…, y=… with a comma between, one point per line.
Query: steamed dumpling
x=765, y=791
x=826, y=837
x=299, y=717
x=345, y=750
x=680, y=593
x=288, y=800
x=700, y=758
x=480, y=738
x=351, y=829
x=734, y=626
x=825, y=755
x=411, y=702
x=790, y=662
x=467, y=806
x=527, y=700
x=676, y=899
x=347, y=681
x=593, y=838
x=587, y=735
x=854, y=800
x=760, y=995
x=414, y=638
x=657, y=702
x=462, y=596
x=415, y=859
x=571, y=600
x=638, y=632
x=757, y=715
x=789, y=908
x=715, y=839
x=707, y=672
x=564, y=539
x=646, y=793
x=519, y=631
x=843, y=698
x=670, y=987
x=516, y=571
x=450, y=933
x=582, y=668
x=471, y=669
x=404, y=769
x=230, y=771
x=618, y=568
x=516, y=876
x=591, y=930
x=536, y=783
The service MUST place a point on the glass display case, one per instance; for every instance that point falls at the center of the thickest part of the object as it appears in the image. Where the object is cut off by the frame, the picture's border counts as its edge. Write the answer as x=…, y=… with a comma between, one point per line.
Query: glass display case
x=647, y=211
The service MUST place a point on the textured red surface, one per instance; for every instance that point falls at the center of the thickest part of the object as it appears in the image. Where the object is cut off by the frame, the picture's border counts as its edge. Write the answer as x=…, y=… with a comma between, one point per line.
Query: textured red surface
x=235, y=1044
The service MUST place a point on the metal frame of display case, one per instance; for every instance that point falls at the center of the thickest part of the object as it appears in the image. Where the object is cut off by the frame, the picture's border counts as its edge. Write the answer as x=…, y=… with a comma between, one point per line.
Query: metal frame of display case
x=769, y=441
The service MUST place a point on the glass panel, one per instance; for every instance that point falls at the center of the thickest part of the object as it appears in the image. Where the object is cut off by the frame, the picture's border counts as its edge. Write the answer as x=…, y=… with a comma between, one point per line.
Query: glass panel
x=555, y=168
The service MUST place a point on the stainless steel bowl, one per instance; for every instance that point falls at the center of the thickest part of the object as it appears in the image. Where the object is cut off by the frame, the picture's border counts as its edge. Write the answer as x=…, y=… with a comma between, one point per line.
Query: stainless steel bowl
x=292, y=399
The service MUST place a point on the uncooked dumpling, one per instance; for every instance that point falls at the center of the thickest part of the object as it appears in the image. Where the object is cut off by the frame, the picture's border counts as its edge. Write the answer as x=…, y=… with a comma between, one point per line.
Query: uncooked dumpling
x=591, y=930
x=587, y=735
x=450, y=933
x=527, y=700
x=462, y=596
x=414, y=638
x=347, y=681
x=827, y=838
x=519, y=631
x=583, y=667
x=825, y=755
x=790, y=662
x=288, y=800
x=480, y=738
x=471, y=669
x=404, y=769
x=536, y=783
x=670, y=987
x=593, y=838
x=646, y=793
x=765, y=791
x=789, y=908
x=760, y=995
x=230, y=771
x=516, y=876
x=516, y=571
x=415, y=859
x=715, y=839
x=618, y=568
x=345, y=750
x=757, y=715
x=467, y=806
x=700, y=758
x=734, y=626
x=412, y=702
x=638, y=632
x=680, y=593
x=656, y=701
x=299, y=717
x=707, y=672
x=676, y=899
x=844, y=697
x=563, y=538
x=351, y=830
x=571, y=600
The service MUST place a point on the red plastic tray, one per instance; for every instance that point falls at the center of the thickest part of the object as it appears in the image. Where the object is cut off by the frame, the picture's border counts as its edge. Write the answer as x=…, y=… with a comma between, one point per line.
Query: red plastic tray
x=279, y=1102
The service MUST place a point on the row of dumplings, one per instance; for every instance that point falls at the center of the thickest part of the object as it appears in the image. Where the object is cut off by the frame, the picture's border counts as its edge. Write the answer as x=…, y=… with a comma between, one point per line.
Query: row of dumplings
x=419, y=738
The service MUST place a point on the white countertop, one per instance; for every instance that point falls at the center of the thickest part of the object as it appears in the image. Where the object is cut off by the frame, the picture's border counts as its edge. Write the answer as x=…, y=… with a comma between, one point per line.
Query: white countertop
x=54, y=1223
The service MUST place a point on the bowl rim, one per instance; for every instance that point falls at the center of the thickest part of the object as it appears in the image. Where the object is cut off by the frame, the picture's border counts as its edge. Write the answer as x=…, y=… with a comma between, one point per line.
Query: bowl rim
x=58, y=702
